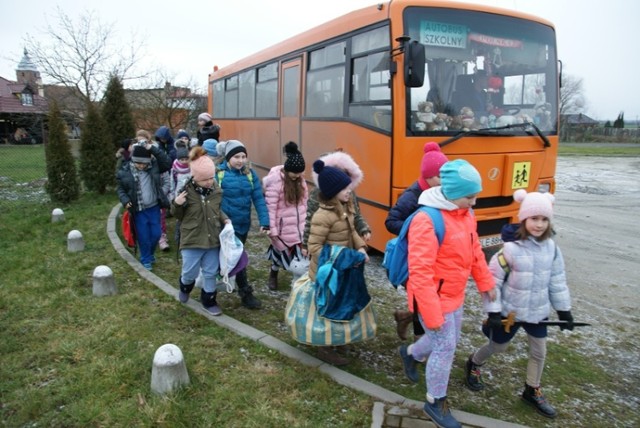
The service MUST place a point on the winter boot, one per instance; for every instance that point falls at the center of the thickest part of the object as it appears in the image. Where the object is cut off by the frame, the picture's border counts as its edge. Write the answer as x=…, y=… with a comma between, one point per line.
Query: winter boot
x=209, y=303
x=403, y=320
x=246, y=292
x=163, y=243
x=439, y=413
x=409, y=364
x=331, y=356
x=535, y=398
x=273, y=280
x=472, y=375
x=185, y=289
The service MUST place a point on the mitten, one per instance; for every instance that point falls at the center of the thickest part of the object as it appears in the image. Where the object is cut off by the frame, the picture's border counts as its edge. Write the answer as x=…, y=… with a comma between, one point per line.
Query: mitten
x=495, y=320
x=566, y=316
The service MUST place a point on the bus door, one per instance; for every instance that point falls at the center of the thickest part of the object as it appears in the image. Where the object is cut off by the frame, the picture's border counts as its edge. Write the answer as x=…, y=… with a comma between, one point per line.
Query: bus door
x=290, y=102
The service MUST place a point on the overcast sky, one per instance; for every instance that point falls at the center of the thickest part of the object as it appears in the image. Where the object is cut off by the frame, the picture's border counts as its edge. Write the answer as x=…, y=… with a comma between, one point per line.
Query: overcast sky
x=597, y=41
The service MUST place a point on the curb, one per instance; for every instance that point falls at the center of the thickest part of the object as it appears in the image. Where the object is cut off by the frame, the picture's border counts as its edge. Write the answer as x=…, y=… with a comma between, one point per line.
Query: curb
x=401, y=412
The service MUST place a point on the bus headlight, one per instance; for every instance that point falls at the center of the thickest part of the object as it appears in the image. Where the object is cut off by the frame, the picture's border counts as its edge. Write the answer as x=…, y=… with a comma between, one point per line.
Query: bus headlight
x=544, y=187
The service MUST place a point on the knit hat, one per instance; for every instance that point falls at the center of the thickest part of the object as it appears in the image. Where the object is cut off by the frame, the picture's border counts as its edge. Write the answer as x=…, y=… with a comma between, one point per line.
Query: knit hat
x=533, y=204
x=202, y=167
x=141, y=154
x=205, y=117
x=459, y=179
x=210, y=146
x=232, y=148
x=182, y=152
x=432, y=160
x=330, y=180
x=182, y=133
x=295, y=161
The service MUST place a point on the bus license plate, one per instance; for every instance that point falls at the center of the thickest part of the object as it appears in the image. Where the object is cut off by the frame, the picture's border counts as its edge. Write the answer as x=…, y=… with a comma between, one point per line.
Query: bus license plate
x=491, y=241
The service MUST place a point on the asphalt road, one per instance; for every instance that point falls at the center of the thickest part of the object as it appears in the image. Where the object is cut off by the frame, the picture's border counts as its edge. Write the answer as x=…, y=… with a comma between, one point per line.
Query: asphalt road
x=597, y=212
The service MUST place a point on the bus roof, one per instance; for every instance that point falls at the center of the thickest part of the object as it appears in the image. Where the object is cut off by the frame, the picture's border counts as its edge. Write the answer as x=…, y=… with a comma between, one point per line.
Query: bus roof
x=350, y=22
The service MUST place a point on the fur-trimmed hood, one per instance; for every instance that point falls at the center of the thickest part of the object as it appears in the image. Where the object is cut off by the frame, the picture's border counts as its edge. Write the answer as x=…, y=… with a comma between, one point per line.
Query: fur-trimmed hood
x=346, y=163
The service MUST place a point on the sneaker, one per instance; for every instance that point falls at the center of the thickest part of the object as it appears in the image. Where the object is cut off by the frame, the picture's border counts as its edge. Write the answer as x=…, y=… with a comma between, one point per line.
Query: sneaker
x=163, y=243
x=535, y=398
x=147, y=266
x=409, y=364
x=439, y=413
x=249, y=301
x=472, y=375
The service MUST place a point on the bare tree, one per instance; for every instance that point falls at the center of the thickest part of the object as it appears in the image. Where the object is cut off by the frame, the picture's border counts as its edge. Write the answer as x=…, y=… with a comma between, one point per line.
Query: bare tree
x=82, y=55
x=571, y=95
x=160, y=102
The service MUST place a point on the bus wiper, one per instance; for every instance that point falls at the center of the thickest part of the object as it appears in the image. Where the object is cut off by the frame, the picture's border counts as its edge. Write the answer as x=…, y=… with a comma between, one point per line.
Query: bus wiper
x=492, y=131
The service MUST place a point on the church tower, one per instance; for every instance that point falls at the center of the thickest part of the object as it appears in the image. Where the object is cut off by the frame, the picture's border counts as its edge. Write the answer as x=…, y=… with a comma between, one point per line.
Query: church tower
x=27, y=73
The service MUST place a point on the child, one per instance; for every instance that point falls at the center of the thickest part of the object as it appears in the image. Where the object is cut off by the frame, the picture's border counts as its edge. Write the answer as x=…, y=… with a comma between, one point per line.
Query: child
x=438, y=275
x=140, y=191
x=536, y=283
x=332, y=223
x=286, y=196
x=240, y=189
x=406, y=204
x=180, y=174
x=346, y=164
x=207, y=129
x=166, y=143
x=197, y=208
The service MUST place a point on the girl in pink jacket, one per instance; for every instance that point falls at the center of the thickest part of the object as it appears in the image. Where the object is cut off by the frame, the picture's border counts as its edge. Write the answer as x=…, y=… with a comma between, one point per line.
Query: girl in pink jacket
x=286, y=194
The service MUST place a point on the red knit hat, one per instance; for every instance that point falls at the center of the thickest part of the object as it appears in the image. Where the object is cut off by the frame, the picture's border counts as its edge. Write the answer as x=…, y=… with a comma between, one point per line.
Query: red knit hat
x=432, y=160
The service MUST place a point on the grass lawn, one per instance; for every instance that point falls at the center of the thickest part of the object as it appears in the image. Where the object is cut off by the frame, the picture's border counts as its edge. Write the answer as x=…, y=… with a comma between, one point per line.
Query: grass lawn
x=68, y=358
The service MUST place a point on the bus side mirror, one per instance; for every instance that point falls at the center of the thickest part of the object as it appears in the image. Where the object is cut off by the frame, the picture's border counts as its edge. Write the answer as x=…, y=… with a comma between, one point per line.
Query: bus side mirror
x=414, y=60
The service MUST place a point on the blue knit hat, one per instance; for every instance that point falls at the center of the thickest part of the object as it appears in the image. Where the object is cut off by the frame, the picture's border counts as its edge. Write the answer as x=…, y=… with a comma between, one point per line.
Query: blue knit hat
x=210, y=146
x=458, y=179
x=330, y=180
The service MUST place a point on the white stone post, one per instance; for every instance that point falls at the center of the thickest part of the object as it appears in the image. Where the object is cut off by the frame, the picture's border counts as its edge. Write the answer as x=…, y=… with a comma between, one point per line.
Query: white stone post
x=169, y=369
x=57, y=215
x=103, y=282
x=75, y=241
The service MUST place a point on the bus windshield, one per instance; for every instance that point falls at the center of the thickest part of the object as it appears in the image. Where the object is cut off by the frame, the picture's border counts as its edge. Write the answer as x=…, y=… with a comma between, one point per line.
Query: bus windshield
x=481, y=71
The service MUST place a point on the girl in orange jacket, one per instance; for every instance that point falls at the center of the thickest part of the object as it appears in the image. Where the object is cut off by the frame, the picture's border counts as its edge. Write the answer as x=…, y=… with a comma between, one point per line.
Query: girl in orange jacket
x=438, y=275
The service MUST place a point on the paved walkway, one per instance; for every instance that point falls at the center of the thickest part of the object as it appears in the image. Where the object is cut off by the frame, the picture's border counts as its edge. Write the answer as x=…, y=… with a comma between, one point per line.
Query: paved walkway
x=390, y=409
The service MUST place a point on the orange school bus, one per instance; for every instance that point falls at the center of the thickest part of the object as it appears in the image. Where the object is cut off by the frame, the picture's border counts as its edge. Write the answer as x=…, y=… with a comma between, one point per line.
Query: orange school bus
x=382, y=81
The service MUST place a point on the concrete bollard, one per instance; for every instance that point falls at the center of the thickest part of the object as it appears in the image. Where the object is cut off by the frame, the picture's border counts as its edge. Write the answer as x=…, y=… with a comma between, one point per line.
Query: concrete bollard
x=57, y=215
x=169, y=369
x=103, y=282
x=75, y=241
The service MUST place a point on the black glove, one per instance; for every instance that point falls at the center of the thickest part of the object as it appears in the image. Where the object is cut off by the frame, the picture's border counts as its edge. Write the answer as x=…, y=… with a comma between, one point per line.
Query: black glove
x=566, y=316
x=495, y=320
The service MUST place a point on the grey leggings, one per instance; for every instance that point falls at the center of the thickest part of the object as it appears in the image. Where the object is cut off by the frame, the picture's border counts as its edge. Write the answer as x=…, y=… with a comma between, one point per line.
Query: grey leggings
x=537, y=354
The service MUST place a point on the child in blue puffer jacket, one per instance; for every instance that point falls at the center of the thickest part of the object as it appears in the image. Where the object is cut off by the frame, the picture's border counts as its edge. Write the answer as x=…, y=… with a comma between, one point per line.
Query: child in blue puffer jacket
x=241, y=188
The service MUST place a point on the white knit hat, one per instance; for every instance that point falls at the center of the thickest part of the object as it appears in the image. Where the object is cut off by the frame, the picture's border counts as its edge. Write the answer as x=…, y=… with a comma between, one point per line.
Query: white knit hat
x=533, y=204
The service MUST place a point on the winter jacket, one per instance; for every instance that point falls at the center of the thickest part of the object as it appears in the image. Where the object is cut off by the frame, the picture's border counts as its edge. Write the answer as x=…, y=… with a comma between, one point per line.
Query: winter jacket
x=180, y=174
x=201, y=218
x=286, y=220
x=346, y=163
x=313, y=204
x=438, y=274
x=332, y=224
x=406, y=204
x=536, y=282
x=169, y=143
x=127, y=191
x=237, y=195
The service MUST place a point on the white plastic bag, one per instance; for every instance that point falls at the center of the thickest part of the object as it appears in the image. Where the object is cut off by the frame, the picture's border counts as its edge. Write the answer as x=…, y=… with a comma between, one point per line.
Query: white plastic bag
x=231, y=249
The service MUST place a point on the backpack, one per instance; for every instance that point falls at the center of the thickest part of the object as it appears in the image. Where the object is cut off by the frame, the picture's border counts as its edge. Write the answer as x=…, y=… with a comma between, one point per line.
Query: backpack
x=220, y=175
x=396, y=251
